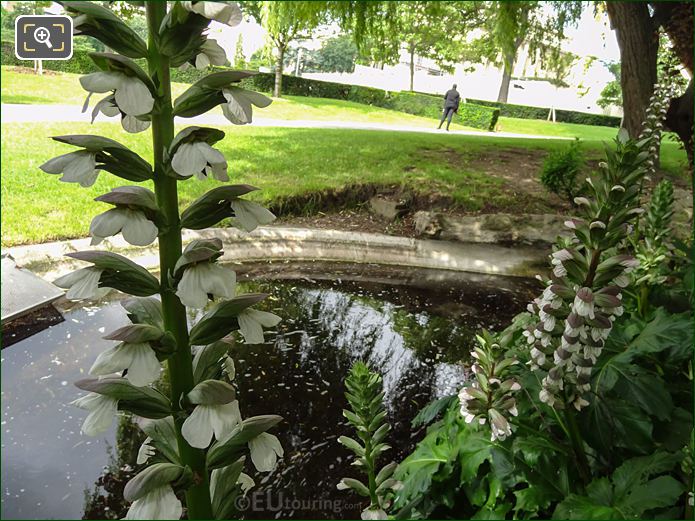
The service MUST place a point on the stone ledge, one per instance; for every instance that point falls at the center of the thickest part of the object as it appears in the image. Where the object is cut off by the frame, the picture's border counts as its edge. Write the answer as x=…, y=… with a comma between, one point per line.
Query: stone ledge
x=300, y=244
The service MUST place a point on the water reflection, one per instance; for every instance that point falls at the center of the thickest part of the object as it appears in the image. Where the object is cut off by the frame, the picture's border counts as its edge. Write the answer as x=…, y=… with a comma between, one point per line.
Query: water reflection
x=414, y=335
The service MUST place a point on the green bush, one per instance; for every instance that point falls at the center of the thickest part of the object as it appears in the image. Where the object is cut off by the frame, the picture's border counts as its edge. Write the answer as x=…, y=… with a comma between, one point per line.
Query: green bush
x=80, y=63
x=560, y=168
x=563, y=116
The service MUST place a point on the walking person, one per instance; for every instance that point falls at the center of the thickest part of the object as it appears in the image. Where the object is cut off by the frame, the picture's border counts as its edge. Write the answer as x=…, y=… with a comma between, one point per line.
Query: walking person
x=452, y=98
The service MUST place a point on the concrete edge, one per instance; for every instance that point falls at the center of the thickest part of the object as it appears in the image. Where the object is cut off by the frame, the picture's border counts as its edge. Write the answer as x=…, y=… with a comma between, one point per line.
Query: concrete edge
x=287, y=244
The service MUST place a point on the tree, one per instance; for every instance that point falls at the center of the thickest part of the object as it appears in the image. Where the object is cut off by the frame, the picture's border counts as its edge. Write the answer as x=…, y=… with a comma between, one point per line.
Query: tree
x=336, y=54
x=239, y=58
x=636, y=25
x=611, y=93
x=508, y=26
x=284, y=23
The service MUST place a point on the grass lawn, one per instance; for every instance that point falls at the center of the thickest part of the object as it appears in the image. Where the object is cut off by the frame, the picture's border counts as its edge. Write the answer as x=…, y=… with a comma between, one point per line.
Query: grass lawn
x=65, y=89
x=283, y=162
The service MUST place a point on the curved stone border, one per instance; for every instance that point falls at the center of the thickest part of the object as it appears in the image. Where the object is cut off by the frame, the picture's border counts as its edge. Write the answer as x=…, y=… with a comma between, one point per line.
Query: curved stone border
x=300, y=244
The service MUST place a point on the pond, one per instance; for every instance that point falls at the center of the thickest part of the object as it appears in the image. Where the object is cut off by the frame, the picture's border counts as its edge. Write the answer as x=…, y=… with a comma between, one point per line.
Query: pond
x=414, y=326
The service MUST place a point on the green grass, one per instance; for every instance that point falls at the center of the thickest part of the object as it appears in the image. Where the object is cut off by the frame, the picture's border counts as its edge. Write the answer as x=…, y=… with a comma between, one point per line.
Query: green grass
x=283, y=162
x=65, y=89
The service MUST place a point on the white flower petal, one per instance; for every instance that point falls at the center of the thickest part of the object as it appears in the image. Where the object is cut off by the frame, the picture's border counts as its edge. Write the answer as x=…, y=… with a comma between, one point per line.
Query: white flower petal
x=237, y=109
x=102, y=410
x=265, y=449
x=224, y=418
x=202, y=61
x=197, y=429
x=81, y=169
x=214, y=53
x=138, y=230
x=249, y=214
x=374, y=513
x=189, y=289
x=160, y=503
x=145, y=452
x=133, y=97
x=101, y=81
x=111, y=361
x=246, y=482
x=251, y=323
x=134, y=125
x=107, y=224
x=58, y=164
x=223, y=12
x=82, y=284
x=144, y=368
x=188, y=159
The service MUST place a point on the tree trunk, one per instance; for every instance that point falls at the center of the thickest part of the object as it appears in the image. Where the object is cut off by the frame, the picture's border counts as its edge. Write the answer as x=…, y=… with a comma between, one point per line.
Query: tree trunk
x=277, y=91
x=412, y=67
x=503, y=95
x=679, y=118
x=638, y=42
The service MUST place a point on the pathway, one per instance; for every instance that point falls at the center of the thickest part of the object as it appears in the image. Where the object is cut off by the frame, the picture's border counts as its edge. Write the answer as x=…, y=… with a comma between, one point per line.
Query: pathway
x=19, y=113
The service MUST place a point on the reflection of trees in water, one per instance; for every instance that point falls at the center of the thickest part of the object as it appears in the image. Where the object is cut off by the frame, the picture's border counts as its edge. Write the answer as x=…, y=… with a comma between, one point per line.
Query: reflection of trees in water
x=106, y=501
x=407, y=334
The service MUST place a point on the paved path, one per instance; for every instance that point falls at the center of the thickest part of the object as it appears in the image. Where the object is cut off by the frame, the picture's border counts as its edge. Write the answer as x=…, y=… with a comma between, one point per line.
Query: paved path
x=19, y=113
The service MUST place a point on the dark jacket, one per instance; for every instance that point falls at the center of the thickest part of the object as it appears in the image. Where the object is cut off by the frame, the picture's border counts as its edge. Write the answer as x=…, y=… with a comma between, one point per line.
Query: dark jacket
x=452, y=99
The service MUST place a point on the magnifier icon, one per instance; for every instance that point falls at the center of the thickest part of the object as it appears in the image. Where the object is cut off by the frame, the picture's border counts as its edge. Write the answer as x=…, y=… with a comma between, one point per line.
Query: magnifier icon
x=43, y=35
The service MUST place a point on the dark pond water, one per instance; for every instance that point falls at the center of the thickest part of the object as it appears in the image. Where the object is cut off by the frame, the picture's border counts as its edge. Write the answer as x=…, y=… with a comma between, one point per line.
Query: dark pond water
x=415, y=327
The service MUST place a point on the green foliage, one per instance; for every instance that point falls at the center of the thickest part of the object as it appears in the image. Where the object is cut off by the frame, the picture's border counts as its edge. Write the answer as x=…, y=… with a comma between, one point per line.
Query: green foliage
x=629, y=492
x=612, y=93
x=336, y=54
x=560, y=169
x=364, y=393
x=564, y=116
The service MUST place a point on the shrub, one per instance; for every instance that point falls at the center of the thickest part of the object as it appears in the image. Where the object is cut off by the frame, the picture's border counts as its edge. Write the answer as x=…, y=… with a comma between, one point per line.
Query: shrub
x=560, y=170
x=511, y=110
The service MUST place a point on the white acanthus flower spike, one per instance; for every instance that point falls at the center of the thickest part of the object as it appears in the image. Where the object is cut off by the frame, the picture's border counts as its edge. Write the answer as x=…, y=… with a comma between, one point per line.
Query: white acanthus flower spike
x=136, y=228
x=205, y=278
x=252, y=322
x=160, y=503
x=76, y=167
x=265, y=450
x=584, y=303
x=210, y=54
x=102, y=410
x=199, y=159
x=499, y=425
x=227, y=13
x=131, y=95
x=138, y=358
x=206, y=420
x=145, y=452
x=250, y=215
x=82, y=284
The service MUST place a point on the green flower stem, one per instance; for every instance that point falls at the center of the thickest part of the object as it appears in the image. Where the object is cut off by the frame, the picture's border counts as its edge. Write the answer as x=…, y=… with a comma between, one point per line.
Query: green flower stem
x=180, y=365
x=578, y=446
x=369, y=457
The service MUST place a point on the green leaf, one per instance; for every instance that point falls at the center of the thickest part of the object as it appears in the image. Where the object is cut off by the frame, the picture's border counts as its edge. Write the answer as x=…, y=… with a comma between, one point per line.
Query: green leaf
x=224, y=490
x=163, y=434
x=143, y=401
x=355, y=485
x=430, y=411
x=152, y=477
x=582, y=507
x=659, y=492
x=649, y=392
x=111, y=156
x=102, y=24
x=212, y=392
x=234, y=446
x=533, y=498
x=352, y=444
x=213, y=206
x=130, y=196
x=613, y=423
x=135, y=333
x=108, y=61
x=206, y=93
x=637, y=470
x=120, y=273
x=666, y=331
x=206, y=363
x=221, y=320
